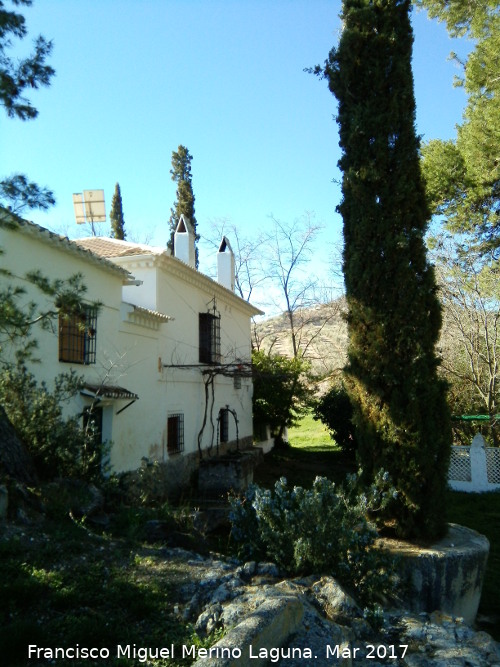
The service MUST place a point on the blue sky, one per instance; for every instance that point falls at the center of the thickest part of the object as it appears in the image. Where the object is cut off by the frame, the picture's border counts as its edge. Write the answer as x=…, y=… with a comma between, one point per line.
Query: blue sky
x=136, y=78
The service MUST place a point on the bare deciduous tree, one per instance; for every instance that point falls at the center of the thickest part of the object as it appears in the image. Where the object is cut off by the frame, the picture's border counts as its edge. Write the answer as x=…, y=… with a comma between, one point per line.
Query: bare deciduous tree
x=247, y=256
x=470, y=293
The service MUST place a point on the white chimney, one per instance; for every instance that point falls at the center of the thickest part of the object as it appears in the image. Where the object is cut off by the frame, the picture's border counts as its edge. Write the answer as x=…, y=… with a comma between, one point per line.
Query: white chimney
x=184, y=242
x=225, y=265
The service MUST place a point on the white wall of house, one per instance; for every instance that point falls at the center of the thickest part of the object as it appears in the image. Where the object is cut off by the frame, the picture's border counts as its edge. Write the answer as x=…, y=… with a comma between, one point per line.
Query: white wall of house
x=183, y=293
x=138, y=348
x=30, y=249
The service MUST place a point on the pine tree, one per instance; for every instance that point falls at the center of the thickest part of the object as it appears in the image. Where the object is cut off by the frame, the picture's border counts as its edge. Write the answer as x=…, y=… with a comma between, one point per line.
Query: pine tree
x=394, y=317
x=463, y=176
x=184, y=203
x=116, y=215
x=18, y=76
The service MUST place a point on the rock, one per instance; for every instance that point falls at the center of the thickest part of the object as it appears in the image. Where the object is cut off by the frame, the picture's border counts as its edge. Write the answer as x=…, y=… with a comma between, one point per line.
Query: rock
x=294, y=616
x=74, y=496
x=247, y=570
x=268, y=569
x=228, y=590
x=268, y=627
x=208, y=620
x=335, y=602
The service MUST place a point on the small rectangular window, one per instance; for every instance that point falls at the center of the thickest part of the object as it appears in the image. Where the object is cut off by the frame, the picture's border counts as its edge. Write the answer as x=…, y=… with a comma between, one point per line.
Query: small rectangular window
x=175, y=434
x=209, y=328
x=77, y=336
x=224, y=425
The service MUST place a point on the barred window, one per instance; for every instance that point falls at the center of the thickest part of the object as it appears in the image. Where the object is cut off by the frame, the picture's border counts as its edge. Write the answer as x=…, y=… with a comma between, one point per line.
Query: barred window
x=77, y=336
x=209, y=325
x=224, y=425
x=175, y=433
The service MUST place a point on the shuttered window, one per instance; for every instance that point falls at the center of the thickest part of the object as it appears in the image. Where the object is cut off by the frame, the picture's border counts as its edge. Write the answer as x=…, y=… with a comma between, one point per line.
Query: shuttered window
x=175, y=433
x=77, y=336
x=209, y=327
x=224, y=425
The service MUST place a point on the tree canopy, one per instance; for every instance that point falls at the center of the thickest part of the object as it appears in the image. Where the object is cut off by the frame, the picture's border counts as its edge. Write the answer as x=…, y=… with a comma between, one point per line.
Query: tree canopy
x=463, y=176
x=184, y=203
x=116, y=215
x=17, y=76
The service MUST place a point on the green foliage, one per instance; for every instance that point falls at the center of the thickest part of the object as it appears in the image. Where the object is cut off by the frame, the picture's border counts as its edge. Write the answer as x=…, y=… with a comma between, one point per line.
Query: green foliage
x=18, y=75
x=400, y=412
x=463, y=176
x=184, y=203
x=461, y=17
x=20, y=193
x=58, y=444
x=145, y=487
x=116, y=215
x=18, y=317
x=322, y=530
x=281, y=394
x=334, y=409
x=63, y=586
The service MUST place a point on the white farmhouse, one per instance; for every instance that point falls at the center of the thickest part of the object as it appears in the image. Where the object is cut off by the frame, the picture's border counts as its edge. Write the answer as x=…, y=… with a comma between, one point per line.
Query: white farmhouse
x=165, y=359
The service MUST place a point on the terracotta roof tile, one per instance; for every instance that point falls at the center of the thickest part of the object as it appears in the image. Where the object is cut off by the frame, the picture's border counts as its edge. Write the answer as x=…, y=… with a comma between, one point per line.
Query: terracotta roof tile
x=106, y=247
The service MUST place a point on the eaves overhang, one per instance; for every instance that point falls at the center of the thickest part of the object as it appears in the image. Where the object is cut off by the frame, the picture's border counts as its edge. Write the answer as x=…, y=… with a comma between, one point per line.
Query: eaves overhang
x=176, y=267
x=152, y=319
x=13, y=222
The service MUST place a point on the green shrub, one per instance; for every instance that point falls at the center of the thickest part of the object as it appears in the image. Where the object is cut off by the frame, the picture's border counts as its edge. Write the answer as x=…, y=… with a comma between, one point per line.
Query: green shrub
x=334, y=409
x=59, y=446
x=281, y=392
x=322, y=530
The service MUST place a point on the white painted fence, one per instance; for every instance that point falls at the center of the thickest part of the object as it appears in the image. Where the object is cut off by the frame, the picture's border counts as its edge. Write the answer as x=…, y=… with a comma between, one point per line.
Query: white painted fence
x=475, y=469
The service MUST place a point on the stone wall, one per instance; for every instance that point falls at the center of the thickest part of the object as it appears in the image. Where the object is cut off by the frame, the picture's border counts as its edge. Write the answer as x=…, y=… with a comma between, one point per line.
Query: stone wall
x=227, y=473
x=230, y=468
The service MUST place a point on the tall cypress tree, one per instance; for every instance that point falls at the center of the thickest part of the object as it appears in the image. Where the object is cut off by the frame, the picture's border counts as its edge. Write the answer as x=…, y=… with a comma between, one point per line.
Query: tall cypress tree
x=116, y=215
x=394, y=317
x=184, y=203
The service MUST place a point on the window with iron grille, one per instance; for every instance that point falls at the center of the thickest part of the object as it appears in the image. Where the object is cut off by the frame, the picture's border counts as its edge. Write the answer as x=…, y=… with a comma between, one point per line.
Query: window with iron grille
x=224, y=425
x=77, y=336
x=175, y=433
x=209, y=324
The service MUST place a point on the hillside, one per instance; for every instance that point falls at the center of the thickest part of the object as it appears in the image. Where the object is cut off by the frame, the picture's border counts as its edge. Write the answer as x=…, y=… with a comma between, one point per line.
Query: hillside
x=321, y=336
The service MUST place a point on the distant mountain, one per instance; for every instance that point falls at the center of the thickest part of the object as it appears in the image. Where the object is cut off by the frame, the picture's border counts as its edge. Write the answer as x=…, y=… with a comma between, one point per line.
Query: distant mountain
x=321, y=335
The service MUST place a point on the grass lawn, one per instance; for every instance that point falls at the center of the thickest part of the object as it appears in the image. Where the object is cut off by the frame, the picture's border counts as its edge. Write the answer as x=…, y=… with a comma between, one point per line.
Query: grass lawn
x=311, y=435
x=312, y=453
